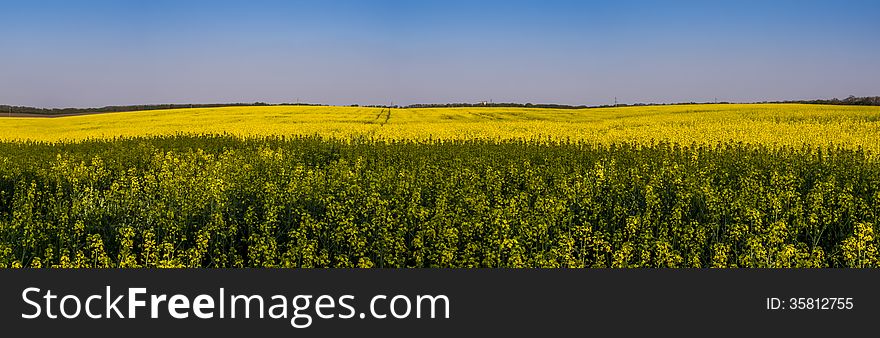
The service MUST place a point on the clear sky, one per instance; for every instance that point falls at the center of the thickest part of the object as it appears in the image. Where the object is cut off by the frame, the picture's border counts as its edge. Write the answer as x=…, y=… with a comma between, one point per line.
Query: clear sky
x=96, y=53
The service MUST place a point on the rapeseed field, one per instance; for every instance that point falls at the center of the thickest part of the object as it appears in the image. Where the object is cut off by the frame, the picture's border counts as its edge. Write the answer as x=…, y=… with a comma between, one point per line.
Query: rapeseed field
x=662, y=186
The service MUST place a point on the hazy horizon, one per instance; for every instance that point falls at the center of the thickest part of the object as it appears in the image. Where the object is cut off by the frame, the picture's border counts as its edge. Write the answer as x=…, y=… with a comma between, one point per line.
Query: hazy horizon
x=102, y=53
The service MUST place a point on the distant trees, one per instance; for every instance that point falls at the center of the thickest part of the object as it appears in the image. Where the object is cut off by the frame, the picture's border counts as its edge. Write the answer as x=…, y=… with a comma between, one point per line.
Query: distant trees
x=849, y=100
x=7, y=109
x=861, y=101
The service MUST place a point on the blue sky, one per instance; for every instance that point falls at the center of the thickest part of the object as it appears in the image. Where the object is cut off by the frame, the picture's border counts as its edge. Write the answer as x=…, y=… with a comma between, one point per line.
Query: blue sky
x=96, y=53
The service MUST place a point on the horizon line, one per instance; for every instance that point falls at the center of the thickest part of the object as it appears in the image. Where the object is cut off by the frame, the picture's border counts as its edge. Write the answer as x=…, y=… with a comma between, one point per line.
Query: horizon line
x=425, y=105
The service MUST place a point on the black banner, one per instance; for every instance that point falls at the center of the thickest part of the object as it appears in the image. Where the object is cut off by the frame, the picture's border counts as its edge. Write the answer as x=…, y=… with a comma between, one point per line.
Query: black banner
x=540, y=303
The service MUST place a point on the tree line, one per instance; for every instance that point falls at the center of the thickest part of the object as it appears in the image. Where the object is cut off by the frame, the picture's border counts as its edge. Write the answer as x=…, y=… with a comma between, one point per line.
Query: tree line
x=117, y=109
x=851, y=100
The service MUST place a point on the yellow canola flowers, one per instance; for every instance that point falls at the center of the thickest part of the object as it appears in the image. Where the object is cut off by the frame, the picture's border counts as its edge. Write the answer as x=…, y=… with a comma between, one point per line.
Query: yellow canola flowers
x=768, y=124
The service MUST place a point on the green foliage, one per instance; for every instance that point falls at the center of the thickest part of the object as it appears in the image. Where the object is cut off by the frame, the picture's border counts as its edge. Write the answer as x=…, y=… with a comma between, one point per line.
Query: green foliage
x=216, y=201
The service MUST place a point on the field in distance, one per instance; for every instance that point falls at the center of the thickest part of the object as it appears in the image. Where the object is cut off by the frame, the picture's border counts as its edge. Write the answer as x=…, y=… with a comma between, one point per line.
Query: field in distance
x=768, y=124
